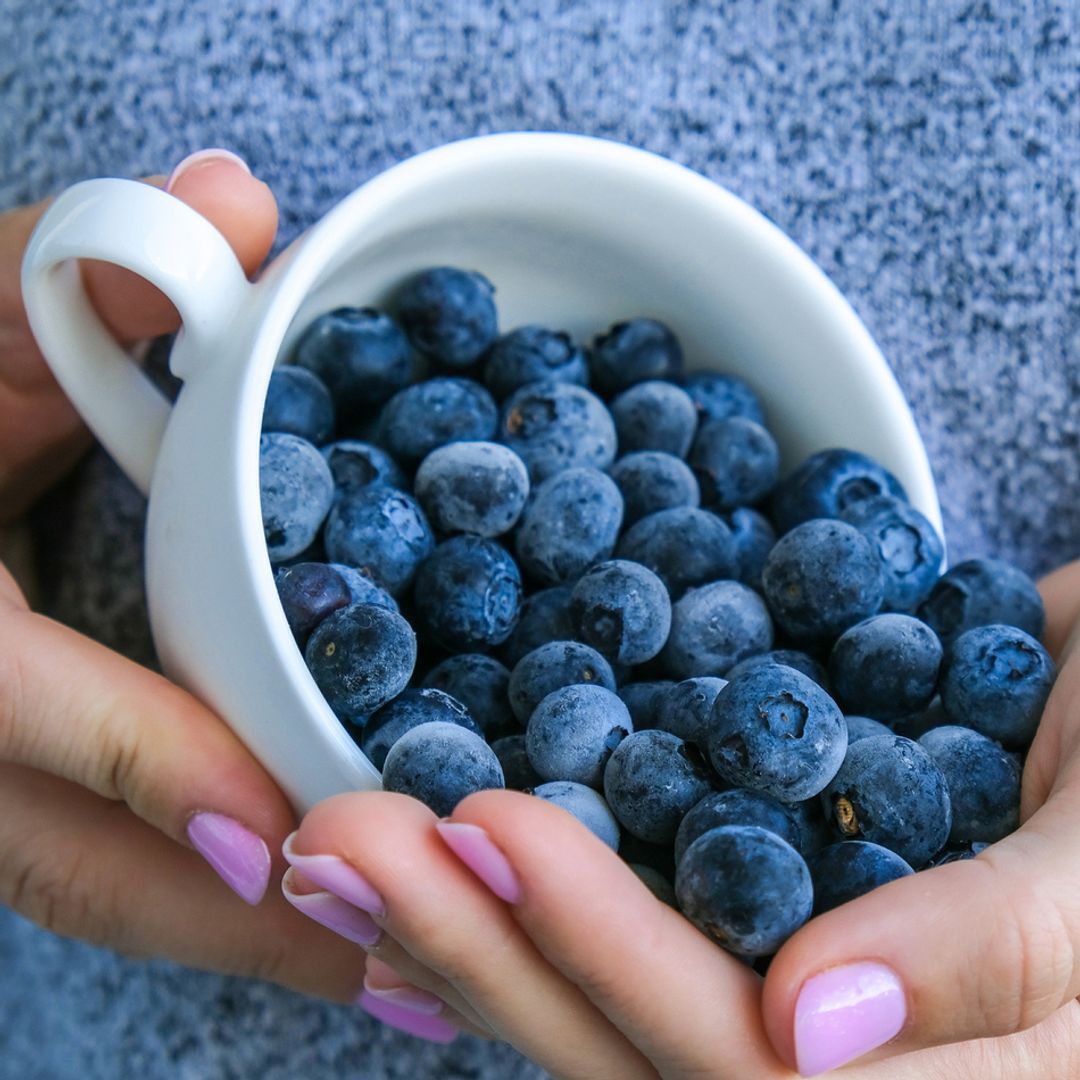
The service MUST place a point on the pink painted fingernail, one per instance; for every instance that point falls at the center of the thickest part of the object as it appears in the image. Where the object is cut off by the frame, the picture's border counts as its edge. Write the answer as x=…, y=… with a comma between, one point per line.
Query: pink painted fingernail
x=474, y=848
x=844, y=1013
x=332, y=912
x=406, y=997
x=202, y=157
x=240, y=857
x=432, y=1028
x=335, y=875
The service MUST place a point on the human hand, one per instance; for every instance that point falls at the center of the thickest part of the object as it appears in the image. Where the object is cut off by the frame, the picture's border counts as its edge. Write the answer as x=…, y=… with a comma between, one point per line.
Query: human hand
x=516, y=912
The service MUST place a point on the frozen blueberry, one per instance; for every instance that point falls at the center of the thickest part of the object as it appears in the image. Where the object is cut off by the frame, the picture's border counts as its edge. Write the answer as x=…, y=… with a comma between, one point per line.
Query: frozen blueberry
x=408, y=710
x=360, y=657
x=916, y=725
x=980, y=592
x=440, y=764
x=889, y=791
x=714, y=627
x=745, y=888
x=814, y=831
x=362, y=590
x=644, y=700
x=793, y=658
x=717, y=397
x=654, y=415
x=886, y=666
x=827, y=484
x=430, y=414
x=472, y=487
x=553, y=426
x=545, y=616
x=381, y=530
x=843, y=872
x=308, y=593
x=656, y=883
x=983, y=780
x=633, y=351
x=774, y=730
x=572, y=732
x=822, y=577
x=622, y=610
x=481, y=684
x=907, y=544
x=652, y=779
x=754, y=538
x=997, y=680
x=686, y=709
x=514, y=759
x=571, y=524
x=296, y=490
x=360, y=354
x=533, y=354
x=962, y=853
x=683, y=546
x=449, y=314
x=551, y=666
x=467, y=593
x=355, y=464
x=862, y=727
x=737, y=806
x=651, y=480
x=587, y=805
x=298, y=403
x=736, y=462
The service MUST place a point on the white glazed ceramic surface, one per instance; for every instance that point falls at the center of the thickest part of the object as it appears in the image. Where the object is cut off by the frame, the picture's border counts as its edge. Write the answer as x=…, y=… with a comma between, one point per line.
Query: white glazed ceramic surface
x=574, y=232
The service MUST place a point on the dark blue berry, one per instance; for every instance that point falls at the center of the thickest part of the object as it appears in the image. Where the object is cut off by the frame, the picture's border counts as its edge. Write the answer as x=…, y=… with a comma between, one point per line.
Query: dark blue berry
x=587, y=805
x=862, y=727
x=449, y=314
x=754, y=538
x=633, y=351
x=362, y=590
x=651, y=481
x=308, y=593
x=654, y=415
x=298, y=403
x=533, y=354
x=843, y=872
x=408, y=710
x=551, y=666
x=644, y=701
x=736, y=462
x=622, y=610
x=481, y=684
x=718, y=397
x=737, y=806
x=793, y=658
x=656, y=883
x=296, y=490
x=686, y=709
x=431, y=414
x=545, y=616
x=355, y=464
x=514, y=759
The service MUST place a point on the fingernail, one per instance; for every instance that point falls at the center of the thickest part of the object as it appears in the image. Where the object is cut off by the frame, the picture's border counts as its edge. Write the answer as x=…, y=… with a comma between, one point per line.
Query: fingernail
x=240, y=857
x=432, y=1028
x=474, y=848
x=844, y=1013
x=335, y=875
x=202, y=157
x=332, y=912
x=411, y=998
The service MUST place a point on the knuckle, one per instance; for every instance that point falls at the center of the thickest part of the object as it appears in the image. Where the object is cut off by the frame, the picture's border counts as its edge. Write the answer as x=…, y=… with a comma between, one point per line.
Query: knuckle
x=12, y=701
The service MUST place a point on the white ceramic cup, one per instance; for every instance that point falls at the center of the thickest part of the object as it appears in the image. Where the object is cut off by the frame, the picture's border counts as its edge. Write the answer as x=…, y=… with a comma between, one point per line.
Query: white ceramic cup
x=574, y=232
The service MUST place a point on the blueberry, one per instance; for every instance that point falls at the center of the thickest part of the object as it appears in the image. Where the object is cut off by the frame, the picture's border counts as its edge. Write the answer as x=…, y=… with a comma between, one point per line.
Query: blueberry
x=886, y=666
x=644, y=701
x=774, y=730
x=736, y=462
x=997, y=680
x=571, y=524
x=889, y=791
x=745, y=888
x=468, y=592
x=656, y=883
x=718, y=397
x=683, y=546
x=622, y=610
x=651, y=481
x=533, y=354
x=686, y=709
x=814, y=831
x=545, y=616
x=633, y=351
x=907, y=544
x=551, y=666
x=984, y=783
x=360, y=354
x=862, y=727
x=754, y=538
x=822, y=577
x=408, y=710
x=296, y=490
x=980, y=592
x=652, y=779
x=361, y=656
x=473, y=487
x=962, y=853
x=449, y=314
x=514, y=759
x=843, y=872
x=827, y=484
x=553, y=426
x=572, y=732
x=440, y=764
x=714, y=627
x=308, y=593
x=737, y=806
x=381, y=530
x=362, y=590
x=587, y=805
x=430, y=414
x=917, y=724
x=355, y=464
x=480, y=683
x=654, y=415
x=793, y=658
x=298, y=403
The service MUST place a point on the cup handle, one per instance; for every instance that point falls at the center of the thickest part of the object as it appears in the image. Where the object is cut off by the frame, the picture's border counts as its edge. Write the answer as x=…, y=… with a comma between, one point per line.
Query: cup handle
x=154, y=234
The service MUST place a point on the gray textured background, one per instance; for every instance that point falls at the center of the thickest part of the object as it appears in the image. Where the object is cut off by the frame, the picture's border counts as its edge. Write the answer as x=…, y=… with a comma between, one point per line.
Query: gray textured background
x=924, y=154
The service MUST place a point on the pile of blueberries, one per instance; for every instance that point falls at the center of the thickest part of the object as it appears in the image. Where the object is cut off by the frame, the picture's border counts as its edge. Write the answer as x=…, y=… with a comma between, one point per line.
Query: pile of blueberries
x=510, y=560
